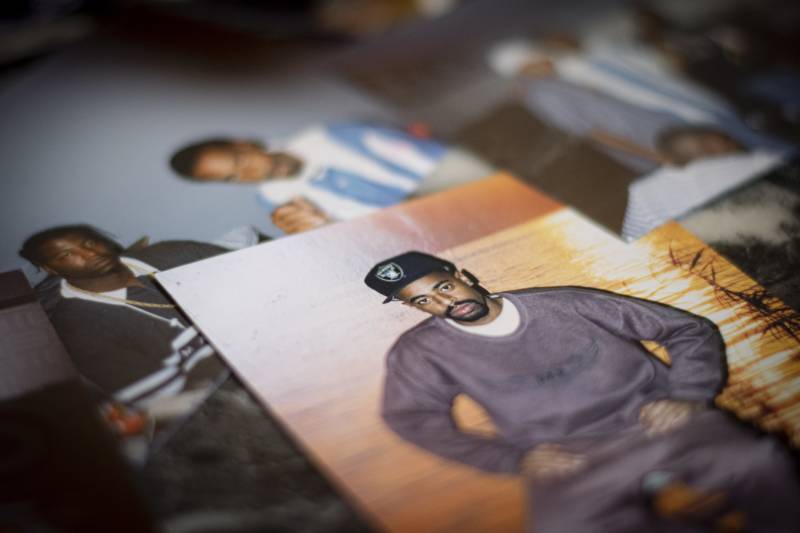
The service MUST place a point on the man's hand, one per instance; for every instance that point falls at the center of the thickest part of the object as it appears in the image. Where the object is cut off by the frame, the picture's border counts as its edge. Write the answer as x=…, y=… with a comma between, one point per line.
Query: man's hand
x=299, y=215
x=122, y=420
x=662, y=416
x=550, y=461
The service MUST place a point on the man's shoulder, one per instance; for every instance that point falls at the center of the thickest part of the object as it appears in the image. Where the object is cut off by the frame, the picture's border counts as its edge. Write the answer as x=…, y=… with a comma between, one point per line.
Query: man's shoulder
x=424, y=329
x=69, y=313
x=574, y=297
x=52, y=300
x=279, y=191
x=363, y=132
x=594, y=301
x=414, y=341
x=558, y=292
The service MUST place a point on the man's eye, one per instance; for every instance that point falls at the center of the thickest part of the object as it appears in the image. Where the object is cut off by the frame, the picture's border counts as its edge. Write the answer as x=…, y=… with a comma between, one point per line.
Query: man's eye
x=446, y=287
x=423, y=301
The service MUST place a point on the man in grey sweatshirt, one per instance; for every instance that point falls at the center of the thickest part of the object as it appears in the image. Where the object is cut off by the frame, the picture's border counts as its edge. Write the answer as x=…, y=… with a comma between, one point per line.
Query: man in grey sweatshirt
x=608, y=437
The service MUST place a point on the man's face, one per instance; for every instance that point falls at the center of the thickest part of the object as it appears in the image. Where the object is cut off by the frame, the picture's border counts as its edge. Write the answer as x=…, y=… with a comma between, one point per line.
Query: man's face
x=447, y=296
x=79, y=256
x=242, y=161
x=539, y=68
x=700, y=145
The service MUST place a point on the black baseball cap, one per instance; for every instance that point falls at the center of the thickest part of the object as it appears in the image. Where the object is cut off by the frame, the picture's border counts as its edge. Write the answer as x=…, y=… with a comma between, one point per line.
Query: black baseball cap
x=391, y=275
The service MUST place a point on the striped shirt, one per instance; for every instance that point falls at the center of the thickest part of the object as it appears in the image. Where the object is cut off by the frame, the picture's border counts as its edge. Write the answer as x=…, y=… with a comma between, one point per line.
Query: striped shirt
x=353, y=169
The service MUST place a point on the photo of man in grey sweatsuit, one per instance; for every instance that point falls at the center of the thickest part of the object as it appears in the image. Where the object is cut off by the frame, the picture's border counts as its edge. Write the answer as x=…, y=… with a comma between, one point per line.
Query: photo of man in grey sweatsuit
x=608, y=437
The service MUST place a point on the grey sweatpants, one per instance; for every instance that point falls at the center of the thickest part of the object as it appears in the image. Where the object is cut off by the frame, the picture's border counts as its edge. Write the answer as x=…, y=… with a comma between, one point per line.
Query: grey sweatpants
x=711, y=452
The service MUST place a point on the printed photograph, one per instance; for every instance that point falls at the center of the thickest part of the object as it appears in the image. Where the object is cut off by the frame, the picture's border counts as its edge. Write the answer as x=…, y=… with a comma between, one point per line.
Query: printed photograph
x=400, y=265
x=144, y=363
x=332, y=172
x=62, y=469
x=482, y=369
x=600, y=173
x=632, y=115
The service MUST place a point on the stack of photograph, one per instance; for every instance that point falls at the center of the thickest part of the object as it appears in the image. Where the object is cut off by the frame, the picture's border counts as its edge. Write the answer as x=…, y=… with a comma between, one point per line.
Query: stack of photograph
x=404, y=266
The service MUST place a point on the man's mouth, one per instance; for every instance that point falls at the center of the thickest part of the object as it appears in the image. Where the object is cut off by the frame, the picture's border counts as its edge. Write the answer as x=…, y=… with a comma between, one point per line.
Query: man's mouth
x=104, y=263
x=463, y=310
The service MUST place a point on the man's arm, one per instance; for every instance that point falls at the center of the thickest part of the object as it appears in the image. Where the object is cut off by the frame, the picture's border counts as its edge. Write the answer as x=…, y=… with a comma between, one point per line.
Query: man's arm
x=694, y=344
x=417, y=405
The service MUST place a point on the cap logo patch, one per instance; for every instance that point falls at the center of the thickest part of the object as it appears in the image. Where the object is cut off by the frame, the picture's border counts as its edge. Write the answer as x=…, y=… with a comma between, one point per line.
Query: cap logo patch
x=390, y=272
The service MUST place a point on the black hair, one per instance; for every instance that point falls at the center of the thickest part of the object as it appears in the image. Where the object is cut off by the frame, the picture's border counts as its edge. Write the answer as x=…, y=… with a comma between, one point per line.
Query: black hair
x=31, y=248
x=184, y=160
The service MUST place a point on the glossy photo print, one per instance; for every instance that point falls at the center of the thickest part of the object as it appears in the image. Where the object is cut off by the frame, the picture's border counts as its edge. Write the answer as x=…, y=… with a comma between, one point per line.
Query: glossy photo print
x=458, y=366
x=609, y=111
x=619, y=178
x=142, y=361
x=331, y=172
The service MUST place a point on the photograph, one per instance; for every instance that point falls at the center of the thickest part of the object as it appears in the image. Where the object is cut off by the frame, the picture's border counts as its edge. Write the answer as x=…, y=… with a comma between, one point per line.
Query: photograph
x=61, y=467
x=330, y=266
x=331, y=172
x=609, y=112
x=141, y=359
x=550, y=351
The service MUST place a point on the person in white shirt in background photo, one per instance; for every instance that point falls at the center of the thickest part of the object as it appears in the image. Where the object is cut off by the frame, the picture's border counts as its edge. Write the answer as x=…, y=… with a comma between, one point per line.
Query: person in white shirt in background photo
x=331, y=172
x=626, y=70
x=644, y=117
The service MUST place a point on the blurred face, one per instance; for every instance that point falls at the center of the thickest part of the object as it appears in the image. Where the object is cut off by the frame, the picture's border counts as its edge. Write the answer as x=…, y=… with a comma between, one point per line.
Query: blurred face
x=539, y=68
x=560, y=41
x=242, y=161
x=700, y=145
x=79, y=256
x=447, y=296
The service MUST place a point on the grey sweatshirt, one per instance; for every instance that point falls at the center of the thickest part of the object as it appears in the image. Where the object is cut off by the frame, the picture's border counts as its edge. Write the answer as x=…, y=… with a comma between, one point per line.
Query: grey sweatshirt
x=575, y=369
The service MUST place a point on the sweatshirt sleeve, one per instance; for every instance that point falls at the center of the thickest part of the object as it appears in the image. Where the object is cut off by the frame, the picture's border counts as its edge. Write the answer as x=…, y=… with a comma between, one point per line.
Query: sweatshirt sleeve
x=695, y=346
x=417, y=405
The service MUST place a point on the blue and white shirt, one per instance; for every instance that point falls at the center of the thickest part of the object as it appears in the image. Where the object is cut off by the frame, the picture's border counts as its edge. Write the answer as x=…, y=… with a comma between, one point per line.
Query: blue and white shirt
x=638, y=76
x=352, y=169
x=641, y=77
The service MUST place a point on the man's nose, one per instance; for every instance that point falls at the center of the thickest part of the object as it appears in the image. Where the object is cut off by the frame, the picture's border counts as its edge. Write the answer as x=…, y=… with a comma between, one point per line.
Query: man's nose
x=444, y=299
x=87, y=254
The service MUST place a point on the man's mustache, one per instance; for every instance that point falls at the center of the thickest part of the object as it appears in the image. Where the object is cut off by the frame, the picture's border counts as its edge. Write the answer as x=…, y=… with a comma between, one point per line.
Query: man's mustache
x=453, y=305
